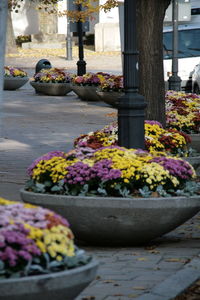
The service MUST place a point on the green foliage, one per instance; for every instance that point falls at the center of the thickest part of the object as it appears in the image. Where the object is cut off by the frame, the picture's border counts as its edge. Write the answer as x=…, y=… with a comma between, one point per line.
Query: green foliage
x=44, y=265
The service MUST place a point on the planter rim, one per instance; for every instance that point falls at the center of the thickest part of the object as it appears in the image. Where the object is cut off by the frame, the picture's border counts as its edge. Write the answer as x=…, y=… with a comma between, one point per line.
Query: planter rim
x=16, y=77
x=91, y=264
x=99, y=198
x=48, y=83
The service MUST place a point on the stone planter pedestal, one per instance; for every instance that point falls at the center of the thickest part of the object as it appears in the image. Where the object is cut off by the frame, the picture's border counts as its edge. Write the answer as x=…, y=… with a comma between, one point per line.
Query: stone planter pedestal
x=65, y=285
x=51, y=89
x=118, y=221
x=110, y=97
x=195, y=141
x=14, y=83
x=86, y=93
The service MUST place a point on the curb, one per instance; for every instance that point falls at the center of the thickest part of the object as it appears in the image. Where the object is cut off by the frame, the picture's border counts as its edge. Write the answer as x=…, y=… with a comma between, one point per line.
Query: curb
x=175, y=284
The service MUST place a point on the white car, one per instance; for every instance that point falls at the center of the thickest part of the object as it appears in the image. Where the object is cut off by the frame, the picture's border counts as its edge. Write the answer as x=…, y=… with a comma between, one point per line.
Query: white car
x=188, y=54
x=196, y=80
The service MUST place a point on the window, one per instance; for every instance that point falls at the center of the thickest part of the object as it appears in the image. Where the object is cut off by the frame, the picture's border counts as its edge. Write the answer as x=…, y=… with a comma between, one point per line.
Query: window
x=189, y=43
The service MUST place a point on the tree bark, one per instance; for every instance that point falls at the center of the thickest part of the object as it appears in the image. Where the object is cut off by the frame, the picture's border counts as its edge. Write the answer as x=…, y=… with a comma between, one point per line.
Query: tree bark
x=150, y=16
x=11, y=46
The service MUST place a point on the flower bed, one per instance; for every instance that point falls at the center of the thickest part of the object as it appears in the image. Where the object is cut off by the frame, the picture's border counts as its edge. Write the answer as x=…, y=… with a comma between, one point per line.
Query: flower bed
x=112, y=83
x=183, y=111
x=52, y=82
x=35, y=240
x=156, y=139
x=52, y=75
x=14, y=78
x=110, y=171
x=14, y=72
x=90, y=79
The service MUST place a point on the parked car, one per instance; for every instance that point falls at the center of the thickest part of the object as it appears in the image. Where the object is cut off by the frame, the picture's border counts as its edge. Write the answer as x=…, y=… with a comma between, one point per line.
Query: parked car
x=196, y=79
x=188, y=53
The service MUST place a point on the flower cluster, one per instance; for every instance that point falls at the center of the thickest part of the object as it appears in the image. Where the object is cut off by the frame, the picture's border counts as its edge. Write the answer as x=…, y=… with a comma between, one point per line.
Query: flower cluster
x=156, y=139
x=183, y=111
x=33, y=240
x=14, y=72
x=109, y=171
x=94, y=79
x=53, y=75
x=113, y=83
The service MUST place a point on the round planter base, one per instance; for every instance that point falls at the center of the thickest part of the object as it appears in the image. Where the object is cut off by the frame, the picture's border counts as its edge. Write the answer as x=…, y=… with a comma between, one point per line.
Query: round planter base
x=86, y=93
x=14, y=83
x=118, y=221
x=65, y=285
x=51, y=89
x=110, y=98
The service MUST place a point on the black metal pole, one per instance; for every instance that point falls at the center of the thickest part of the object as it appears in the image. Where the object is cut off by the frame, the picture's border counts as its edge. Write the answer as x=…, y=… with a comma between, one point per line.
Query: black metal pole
x=68, y=39
x=175, y=80
x=81, y=64
x=131, y=106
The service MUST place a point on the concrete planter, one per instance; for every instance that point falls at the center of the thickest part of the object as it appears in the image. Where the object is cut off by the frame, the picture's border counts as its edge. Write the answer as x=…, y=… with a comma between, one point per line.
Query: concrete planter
x=14, y=83
x=51, y=89
x=110, y=97
x=195, y=141
x=65, y=285
x=86, y=92
x=123, y=221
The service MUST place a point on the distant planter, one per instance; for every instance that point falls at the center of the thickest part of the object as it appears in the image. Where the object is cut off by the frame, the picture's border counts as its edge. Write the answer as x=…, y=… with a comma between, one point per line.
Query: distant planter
x=110, y=98
x=86, y=92
x=118, y=221
x=14, y=83
x=61, y=285
x=195, y=141
x=51, y=89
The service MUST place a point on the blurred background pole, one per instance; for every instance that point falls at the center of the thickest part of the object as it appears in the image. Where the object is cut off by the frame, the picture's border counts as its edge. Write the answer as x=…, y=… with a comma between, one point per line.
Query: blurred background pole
x=3, y=27
x=81, y=64
x=69, y=38
x=131, y=106
x=175, y=80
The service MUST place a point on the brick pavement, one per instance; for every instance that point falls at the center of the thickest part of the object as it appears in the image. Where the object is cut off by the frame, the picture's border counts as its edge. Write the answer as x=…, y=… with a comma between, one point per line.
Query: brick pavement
x=33, y=125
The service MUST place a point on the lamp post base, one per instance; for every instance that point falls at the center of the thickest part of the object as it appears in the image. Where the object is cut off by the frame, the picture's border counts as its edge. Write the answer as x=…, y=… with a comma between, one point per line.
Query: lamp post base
x=174, y=83
x=131, y=116
x=81, y=67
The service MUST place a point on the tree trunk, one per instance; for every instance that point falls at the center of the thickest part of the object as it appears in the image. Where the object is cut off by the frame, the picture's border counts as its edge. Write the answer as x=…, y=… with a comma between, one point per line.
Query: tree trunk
x=11, y=46
x=150, y=14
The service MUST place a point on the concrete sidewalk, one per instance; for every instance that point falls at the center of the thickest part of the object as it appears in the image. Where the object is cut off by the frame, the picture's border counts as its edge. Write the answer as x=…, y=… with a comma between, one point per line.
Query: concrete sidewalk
x=33, y=125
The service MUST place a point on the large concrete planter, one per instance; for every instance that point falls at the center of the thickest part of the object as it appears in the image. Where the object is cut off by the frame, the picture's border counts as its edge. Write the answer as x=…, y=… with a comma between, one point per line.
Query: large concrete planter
x=113, y=221
x=65, y=285
x=51, y=89
x=86, y=92
x=195, y=141
x=110, y=98
x=14, y=83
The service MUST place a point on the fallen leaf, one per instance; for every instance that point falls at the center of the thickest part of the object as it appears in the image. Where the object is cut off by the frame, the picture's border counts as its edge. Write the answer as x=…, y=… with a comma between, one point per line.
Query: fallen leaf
x=154, y=251
x=142, y=259
x=109, y=281
x=175, y=260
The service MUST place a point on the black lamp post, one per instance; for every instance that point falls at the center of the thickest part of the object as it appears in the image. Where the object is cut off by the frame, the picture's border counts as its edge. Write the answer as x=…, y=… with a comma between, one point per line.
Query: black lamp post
x=81, y=64
x=131, y=106
x=175, y=80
